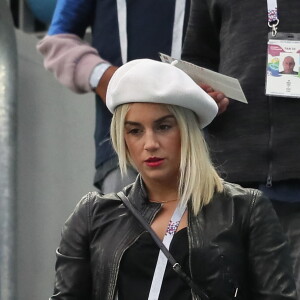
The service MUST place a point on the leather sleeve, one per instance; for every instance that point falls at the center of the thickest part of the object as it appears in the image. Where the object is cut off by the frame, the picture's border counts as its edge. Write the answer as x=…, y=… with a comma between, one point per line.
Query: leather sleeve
x=269, y=258
x=73, y=276
x=201, y=44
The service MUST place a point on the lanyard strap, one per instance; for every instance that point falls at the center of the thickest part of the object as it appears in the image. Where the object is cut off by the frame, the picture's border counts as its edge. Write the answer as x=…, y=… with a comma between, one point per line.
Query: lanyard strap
x=273, y=20
x=162, y=259
x=122, y=20
x=177, y=28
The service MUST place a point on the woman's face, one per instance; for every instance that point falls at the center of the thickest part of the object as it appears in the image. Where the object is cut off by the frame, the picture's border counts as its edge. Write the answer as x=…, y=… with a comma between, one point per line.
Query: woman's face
x=153, y=141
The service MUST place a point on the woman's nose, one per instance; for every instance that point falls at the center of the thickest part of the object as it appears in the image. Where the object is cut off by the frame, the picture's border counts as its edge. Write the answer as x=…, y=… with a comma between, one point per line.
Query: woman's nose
x=151, y=141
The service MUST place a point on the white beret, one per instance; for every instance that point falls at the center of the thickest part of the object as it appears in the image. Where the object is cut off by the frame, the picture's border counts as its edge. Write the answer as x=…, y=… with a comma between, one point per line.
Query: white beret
x=146, y=80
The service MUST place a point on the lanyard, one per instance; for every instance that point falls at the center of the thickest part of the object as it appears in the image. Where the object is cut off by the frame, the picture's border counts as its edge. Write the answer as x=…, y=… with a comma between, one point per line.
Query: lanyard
x=162, y=259
x=177, y=28
x=273, y=20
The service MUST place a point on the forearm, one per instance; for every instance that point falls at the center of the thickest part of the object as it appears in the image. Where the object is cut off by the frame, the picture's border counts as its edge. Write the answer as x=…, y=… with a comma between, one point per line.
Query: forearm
x=269, y=257
x=73, y=278
x=70, y=59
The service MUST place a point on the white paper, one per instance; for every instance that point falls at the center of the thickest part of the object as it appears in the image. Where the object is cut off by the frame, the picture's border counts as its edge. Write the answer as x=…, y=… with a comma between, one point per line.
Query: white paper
x=228, y=85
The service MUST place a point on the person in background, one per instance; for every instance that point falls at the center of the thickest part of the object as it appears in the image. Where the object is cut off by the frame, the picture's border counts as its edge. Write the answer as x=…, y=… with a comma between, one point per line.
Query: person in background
x=255, y=145
x=121, y=31
x=226, y=238
x=288, y=66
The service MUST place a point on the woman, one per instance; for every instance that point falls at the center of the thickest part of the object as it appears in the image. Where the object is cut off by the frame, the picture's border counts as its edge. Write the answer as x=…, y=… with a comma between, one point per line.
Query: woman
x=228, y=239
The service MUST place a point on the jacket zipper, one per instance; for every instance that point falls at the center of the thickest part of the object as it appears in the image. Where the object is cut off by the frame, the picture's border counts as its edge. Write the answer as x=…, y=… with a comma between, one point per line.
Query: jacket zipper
x=270, y=145
x=114, y=282
x=194, y=296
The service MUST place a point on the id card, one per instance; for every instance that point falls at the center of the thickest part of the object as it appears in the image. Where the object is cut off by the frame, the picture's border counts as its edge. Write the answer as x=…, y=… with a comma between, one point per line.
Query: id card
x=283, y=65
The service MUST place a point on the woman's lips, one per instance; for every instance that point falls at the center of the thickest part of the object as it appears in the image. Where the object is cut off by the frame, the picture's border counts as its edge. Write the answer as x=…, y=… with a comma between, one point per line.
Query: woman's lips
x=154, y=161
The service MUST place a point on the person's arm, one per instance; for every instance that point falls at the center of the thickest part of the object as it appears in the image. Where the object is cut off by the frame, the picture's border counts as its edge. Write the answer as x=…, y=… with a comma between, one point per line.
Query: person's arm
x=104, y=81
x=271, y=275
x=70, y=59
x=73, y=272
x=65, y=53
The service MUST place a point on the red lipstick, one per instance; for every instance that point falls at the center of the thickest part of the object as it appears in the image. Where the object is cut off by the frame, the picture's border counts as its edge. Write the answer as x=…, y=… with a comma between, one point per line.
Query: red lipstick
x=154, y=161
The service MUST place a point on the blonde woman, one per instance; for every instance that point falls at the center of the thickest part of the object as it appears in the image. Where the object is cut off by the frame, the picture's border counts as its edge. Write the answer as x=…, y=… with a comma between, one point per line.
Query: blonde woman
x=226, y=239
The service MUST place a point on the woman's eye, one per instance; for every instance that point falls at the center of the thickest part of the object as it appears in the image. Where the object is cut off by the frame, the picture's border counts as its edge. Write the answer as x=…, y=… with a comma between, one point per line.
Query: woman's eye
x=164, y=127
x=134, y=131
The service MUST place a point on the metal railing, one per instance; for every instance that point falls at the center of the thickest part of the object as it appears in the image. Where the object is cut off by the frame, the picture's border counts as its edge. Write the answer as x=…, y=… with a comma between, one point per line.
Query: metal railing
x=8, y=141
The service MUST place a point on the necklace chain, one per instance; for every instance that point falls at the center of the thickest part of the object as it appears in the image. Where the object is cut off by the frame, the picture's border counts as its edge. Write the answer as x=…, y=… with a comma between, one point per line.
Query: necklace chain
x=166, y=201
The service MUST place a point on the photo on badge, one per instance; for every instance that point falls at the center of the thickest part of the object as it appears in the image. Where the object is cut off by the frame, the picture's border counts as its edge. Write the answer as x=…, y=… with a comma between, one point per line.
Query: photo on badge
x=289, y=63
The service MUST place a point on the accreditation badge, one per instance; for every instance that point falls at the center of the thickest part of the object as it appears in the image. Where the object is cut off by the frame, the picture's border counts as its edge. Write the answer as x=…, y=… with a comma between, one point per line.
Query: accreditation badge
x=283, y=65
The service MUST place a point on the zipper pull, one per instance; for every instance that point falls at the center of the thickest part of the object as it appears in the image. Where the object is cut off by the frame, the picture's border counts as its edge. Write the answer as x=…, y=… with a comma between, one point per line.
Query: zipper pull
x=269, y=181
x=236, y=292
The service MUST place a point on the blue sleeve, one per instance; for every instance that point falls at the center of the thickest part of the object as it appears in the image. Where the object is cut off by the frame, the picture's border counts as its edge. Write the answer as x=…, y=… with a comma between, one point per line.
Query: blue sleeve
x=72, y=16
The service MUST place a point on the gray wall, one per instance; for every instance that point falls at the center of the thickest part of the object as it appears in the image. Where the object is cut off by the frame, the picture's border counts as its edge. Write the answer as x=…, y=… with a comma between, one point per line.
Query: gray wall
x=55, y=156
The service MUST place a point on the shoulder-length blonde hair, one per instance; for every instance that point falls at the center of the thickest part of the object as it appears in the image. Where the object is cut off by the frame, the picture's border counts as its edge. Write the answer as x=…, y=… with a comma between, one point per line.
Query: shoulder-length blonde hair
x=198, y=177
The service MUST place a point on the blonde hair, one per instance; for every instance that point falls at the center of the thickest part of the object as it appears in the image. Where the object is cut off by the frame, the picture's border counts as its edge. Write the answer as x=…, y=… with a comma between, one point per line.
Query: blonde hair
x=198, y=177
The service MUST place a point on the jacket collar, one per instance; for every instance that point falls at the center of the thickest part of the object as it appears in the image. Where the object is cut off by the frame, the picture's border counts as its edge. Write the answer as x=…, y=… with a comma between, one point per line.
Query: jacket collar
x=138, y=196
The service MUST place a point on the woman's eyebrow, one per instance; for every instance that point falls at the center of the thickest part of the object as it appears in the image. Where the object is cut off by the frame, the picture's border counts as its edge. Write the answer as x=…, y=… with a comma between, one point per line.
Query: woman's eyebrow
x=132, y=123
x=164, y=118
x=156, y=121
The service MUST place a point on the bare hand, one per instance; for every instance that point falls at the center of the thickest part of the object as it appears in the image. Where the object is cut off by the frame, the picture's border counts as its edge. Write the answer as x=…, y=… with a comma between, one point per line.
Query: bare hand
x=103, y=82
x=221, y=100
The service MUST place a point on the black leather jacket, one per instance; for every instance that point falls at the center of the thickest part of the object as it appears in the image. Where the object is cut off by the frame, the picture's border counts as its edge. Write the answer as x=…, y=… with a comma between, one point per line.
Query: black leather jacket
x=236, y=245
